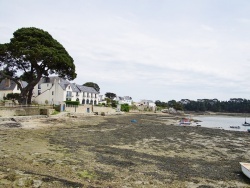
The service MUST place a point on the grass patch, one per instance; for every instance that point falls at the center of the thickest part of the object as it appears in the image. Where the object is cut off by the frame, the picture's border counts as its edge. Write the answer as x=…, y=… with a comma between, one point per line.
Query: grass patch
x=86, y=175
x=55, y=112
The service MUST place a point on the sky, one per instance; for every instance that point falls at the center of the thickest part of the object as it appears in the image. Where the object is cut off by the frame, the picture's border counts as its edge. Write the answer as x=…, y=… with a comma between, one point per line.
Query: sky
x=147, y=49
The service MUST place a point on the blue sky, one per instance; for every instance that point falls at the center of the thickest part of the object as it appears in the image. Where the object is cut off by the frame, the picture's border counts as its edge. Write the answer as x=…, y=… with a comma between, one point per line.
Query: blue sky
x=147, y=49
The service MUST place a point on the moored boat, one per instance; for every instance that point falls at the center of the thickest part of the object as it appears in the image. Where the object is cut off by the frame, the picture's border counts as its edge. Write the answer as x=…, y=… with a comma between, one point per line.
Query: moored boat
x=246, y=124
x=185, y=121
x=245, y=167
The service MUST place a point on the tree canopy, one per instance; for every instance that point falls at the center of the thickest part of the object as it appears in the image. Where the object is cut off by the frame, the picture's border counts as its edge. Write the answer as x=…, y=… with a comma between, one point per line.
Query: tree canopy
x=32, y=54
x=93, y=85
x=110, y=95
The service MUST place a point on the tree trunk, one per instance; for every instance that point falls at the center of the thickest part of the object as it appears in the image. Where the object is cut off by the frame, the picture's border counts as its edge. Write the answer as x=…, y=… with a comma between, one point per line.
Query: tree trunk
x=23, y=98
x=30, y=93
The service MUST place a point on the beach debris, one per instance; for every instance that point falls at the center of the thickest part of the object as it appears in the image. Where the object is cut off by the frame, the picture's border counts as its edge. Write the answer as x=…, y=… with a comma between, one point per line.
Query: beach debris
x=133, y=121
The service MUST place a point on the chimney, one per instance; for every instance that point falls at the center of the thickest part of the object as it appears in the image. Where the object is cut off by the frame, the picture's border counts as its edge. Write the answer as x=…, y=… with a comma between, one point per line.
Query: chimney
x=7, y=82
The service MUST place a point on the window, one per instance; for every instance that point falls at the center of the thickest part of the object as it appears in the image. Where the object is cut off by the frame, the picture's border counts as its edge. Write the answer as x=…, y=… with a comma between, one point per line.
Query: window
x=39, y=92
x=39, y=86
x=52, y=92
x=68, y=94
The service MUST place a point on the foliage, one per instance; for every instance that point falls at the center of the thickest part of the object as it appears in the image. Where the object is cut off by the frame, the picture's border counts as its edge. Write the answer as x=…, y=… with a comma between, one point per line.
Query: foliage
x=76, y=103
x=240, y=106
x=108, y=100
x=93, y=85
x=114, y=104
x=55, y=112
x=169, y=104
x=133, y=107
x=12, y=96
x=161, y=104
x=125, y=107
x=110, y=95
x=32, y=54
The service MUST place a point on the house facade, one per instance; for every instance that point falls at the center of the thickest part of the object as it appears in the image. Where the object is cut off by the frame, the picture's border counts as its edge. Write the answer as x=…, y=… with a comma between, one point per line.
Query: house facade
x=147, y=104
x=55, y=90
x=124, y=100
x=9, y=86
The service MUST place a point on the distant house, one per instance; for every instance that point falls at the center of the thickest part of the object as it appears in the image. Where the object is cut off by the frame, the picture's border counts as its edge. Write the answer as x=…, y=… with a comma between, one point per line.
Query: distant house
x=124, y=100
x=147, y=104
x=9, y=86
x=55, y=90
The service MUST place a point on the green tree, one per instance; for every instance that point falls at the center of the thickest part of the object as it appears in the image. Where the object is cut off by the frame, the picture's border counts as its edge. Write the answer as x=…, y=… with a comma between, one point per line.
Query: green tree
x=110, y=95
x=93, y=85
x=32, y=54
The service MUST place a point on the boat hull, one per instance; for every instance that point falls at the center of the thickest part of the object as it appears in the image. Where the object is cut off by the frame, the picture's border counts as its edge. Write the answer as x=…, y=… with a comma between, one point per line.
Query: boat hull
x=245, y=167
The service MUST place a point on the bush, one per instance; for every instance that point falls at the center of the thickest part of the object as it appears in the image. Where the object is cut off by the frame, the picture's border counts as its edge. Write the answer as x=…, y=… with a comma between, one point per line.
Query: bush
x=72, y=103
x=113, y=104
x=12, y=96
x=125, y=107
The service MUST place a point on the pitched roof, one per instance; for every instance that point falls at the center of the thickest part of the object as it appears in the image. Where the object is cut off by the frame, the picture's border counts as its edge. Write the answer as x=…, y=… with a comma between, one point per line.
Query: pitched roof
x=74, y=87
x=87, y=89
x=65, y=83
x=127, y=98
x=12, y=85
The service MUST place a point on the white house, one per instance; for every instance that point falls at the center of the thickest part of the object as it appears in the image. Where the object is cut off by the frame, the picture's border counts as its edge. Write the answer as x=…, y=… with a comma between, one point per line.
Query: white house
x=124, y=100
x=9, y=86
x=55, y=90
x=148, y=103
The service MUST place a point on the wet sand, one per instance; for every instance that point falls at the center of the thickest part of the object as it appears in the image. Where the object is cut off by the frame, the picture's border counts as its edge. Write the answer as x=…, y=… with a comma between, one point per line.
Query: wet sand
x=112, y=151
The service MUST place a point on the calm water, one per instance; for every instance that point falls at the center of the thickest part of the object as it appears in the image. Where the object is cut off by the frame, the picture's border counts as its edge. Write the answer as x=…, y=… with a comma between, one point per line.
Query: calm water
x=223, y=122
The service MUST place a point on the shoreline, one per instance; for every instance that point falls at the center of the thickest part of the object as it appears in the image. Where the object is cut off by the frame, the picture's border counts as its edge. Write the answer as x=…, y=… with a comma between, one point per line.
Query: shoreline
x=112, y=151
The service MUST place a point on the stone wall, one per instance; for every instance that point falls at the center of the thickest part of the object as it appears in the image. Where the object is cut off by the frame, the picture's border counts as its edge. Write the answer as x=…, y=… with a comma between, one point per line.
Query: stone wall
x=23, y=111
x=86, y=109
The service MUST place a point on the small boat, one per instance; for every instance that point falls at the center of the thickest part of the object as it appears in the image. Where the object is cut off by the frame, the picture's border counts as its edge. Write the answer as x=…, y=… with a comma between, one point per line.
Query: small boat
x=246, y=124
x=185, y=121
x=245, y=167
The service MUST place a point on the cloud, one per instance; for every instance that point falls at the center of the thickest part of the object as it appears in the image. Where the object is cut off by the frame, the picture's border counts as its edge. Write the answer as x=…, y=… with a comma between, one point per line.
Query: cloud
x=207, y=28
x=144, y=49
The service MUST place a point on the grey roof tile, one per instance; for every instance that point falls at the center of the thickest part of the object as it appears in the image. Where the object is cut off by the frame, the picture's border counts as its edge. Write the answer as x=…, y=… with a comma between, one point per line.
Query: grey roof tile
x=87, y=89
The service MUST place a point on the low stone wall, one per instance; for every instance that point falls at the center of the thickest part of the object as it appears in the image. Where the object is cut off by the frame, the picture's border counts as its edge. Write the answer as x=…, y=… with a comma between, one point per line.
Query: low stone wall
x=106, y=110
x=86, y=109
x=24, y=111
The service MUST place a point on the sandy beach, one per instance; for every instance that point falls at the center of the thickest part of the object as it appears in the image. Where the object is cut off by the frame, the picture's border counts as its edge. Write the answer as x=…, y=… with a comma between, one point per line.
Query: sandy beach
x=112, y=151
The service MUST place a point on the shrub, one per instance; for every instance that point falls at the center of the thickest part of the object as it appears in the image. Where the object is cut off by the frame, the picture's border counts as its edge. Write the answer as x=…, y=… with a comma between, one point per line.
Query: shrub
x=72, y=103
x=12, y=96
x=125, y=107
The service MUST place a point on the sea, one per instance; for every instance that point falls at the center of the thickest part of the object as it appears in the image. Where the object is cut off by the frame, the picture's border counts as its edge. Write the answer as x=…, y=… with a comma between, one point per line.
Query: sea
x=222, y=122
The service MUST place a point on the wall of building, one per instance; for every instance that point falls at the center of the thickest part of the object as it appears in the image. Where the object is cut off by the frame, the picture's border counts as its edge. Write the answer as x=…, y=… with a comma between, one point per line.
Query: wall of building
x=59, y=95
